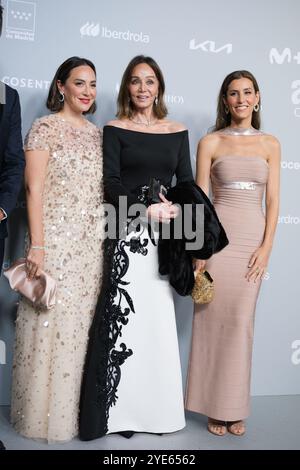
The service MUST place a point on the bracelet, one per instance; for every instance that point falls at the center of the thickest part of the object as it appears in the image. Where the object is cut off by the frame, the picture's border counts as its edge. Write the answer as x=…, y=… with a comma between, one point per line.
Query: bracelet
x=37, y=247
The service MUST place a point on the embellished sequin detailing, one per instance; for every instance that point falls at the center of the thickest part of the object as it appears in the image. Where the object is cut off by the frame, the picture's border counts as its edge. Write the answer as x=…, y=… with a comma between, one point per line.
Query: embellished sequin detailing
x=50, y=346
x=249, y=185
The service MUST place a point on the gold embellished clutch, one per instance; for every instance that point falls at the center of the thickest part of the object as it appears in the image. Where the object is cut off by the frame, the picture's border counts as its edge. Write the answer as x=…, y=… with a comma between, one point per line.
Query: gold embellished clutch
x=203, y=290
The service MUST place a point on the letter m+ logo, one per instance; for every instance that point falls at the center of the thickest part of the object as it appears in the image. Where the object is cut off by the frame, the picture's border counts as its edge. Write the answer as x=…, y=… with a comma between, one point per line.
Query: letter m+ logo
x=275, y=56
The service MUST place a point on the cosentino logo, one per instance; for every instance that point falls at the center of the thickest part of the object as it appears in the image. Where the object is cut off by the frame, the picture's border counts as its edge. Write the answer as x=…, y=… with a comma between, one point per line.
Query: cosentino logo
x=289, y=219
x=17, y=82
x=94, y=30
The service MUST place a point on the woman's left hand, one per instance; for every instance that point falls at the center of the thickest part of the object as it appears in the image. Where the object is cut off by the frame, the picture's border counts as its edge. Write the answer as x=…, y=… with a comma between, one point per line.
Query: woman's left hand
x=198, y=265
x=258, y=264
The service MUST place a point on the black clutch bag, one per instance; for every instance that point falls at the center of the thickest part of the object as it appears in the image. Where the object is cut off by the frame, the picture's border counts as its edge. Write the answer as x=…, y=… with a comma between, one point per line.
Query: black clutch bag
x=155, y=187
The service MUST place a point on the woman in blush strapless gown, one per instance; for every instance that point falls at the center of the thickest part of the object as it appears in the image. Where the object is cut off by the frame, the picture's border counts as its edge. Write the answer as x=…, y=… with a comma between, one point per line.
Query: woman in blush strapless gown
x=241, y=162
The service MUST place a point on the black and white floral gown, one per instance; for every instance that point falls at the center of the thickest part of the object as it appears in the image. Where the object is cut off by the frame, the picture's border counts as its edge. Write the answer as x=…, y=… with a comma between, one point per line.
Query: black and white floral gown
x=132, y=377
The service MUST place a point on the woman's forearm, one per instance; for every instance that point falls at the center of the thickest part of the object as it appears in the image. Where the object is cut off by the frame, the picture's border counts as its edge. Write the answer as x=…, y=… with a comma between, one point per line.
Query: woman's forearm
x=35, y=216
x=272, y=210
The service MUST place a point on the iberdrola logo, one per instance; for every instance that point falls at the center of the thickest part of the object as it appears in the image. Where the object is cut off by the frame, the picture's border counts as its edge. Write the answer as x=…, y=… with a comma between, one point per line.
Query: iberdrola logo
x=94, y=29
x=90, y=29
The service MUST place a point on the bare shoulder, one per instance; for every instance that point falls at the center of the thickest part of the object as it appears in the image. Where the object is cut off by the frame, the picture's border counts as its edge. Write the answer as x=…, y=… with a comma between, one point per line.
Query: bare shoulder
x=174, y=126
x=210, y=141
x=272, y=148
x=117, y=123
x=271, y=144
x=271, y=140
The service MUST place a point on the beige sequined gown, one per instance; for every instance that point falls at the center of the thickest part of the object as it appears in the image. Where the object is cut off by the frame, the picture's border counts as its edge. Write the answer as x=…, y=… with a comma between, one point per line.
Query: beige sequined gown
x=50, y=346
x=220, y=361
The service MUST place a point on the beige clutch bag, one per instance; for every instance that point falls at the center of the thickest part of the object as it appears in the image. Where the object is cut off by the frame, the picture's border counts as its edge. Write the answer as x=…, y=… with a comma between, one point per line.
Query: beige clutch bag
x=41, y=291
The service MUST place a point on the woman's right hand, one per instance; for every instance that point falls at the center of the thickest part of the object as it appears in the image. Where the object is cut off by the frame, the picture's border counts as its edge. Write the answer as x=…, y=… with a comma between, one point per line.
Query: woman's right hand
x=162, y=212
x=34, y=263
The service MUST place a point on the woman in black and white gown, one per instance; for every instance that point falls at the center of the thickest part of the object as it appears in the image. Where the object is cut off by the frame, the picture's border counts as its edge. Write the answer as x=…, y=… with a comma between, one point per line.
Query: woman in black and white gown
x=132, y=379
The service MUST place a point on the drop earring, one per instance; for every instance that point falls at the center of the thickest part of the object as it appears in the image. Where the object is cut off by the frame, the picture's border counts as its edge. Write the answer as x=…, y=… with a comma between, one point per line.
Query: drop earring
x=156, y=101
x=226, y=109
x=61, y=99
x=256, y=108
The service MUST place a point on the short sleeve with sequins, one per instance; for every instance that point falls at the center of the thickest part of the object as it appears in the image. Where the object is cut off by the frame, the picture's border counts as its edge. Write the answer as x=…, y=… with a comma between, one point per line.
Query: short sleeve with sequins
x=39, y=136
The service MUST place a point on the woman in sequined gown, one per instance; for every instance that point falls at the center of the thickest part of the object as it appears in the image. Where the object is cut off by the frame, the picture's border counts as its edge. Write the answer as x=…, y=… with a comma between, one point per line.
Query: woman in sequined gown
x=65, y=214
x=241, y=162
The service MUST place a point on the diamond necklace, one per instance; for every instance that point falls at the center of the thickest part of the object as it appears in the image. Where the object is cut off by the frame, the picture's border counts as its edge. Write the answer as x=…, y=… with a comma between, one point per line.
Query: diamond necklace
x=147, y=124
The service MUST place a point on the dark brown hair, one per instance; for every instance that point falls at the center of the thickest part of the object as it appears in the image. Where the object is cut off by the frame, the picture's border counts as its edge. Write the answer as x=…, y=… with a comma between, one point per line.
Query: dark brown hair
x=223, y=119
x=62, y=75
x=125, y=107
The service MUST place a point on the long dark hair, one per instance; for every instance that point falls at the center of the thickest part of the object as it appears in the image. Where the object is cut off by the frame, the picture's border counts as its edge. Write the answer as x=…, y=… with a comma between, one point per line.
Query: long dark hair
x=62, y=74
x=223, y=118
x=125, y=107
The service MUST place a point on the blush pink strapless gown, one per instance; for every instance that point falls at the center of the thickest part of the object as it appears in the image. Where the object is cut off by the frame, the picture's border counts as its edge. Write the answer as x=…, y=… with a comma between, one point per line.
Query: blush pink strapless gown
x=218, y=383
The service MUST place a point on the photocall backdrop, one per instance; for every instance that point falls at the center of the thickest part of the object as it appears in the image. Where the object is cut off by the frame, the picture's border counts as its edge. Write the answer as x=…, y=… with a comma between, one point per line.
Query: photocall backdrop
x=196, y=44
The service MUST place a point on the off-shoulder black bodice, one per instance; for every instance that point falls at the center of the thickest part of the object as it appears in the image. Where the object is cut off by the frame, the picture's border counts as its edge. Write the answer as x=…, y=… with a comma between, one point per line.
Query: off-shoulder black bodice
x=131, y=158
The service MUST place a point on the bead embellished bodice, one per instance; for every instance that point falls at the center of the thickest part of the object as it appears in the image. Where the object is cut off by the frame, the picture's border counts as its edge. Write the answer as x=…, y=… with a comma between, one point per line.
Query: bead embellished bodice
x=73, y=193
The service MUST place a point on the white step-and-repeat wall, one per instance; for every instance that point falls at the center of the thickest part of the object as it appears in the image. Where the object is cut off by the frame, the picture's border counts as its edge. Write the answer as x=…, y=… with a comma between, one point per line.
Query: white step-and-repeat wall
x=196, y=44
